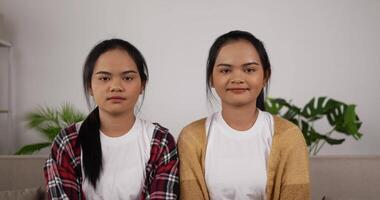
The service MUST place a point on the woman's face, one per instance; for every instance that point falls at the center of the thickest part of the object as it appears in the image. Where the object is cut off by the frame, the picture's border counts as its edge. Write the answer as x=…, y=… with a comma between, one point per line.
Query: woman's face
x=116, y=83
x=238, y=75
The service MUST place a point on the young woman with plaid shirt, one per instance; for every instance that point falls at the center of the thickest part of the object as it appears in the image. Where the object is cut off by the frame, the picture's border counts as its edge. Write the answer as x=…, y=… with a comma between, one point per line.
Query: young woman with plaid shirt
x=113, y=154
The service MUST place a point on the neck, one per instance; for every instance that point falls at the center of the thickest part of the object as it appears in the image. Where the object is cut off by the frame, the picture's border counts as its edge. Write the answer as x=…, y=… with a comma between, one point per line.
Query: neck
x=116, y=125
x=240, y=118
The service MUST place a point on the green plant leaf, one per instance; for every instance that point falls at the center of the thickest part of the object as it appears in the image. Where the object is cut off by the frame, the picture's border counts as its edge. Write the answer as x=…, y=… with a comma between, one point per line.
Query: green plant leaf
x=291, y=113
x=350, y=124
x=314, y=135
x=315, y=110
x=35, y=119
x=42, y=115
x=49, y=121
x=341, y=117
x=349, y=119
x=50, y=131
x=69, y=114
x=31, y=148
x=335, y=112
x=305, y=127
x=317, y=136
x=333, y=141
x=273, y=106
x=282, y=102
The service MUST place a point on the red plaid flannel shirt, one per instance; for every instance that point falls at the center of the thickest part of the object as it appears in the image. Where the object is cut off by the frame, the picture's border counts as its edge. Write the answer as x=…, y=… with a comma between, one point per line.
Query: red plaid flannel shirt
x=63, y=172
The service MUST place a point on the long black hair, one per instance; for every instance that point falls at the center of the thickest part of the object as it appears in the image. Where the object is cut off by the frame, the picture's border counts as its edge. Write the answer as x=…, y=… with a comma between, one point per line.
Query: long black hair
x=234, y=36
x=89, y=136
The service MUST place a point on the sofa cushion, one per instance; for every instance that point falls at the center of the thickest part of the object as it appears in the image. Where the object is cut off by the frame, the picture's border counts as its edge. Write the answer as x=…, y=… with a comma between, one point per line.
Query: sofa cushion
x=20, y=172
x=23, y=194
x=345, y=177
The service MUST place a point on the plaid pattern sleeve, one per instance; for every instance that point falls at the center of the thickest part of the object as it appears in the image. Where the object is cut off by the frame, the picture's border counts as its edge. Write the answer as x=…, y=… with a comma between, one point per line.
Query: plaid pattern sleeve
x=162, y=178
x=61, y=168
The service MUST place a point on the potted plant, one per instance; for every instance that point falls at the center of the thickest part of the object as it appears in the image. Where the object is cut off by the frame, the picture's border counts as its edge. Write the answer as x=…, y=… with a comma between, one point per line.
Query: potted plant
x=49, y=121
x=341, y=117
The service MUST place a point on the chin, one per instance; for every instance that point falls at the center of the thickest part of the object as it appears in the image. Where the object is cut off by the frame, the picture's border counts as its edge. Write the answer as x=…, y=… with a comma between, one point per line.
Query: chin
x=116, y=111
x=239, y=103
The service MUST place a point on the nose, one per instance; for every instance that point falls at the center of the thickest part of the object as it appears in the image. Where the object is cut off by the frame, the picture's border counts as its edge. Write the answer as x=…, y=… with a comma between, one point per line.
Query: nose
x=237, y=81
x=237, y=78
x=116, y=86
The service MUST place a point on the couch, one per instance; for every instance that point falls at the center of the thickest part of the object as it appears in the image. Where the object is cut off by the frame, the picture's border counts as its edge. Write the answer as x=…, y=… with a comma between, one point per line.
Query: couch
x=21, y=177
x=345, y=177
x=332, y=177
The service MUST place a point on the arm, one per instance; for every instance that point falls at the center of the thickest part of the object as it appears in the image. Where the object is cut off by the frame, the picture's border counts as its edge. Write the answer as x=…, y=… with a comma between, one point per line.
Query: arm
x=192, y=181
x=165, y=183
x=60, y=177
x=296, y=181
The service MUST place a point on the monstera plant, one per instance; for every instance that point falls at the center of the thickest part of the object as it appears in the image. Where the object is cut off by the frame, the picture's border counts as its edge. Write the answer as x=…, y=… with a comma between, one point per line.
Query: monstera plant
x=49, y=121
x=341, y=117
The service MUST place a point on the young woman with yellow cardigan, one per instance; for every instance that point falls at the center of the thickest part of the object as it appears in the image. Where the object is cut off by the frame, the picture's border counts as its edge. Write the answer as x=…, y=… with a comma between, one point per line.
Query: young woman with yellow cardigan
x=242, y=152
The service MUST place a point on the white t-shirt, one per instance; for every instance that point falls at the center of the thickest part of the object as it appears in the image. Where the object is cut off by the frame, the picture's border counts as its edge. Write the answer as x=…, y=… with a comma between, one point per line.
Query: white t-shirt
x=124, y=161
x=236, y=161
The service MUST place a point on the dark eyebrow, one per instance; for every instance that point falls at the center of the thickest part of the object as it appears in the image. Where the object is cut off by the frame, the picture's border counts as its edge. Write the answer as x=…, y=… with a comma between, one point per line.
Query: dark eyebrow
x=251, y=63
x=129, y=72
x=103, y=72
x=124, y=73
x=244, y=65
x=224, y=65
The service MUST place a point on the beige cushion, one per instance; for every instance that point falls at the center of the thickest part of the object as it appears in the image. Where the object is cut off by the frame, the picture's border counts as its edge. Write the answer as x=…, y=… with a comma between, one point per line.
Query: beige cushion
x=20, y=172
x=23, y=194
x=345, y=177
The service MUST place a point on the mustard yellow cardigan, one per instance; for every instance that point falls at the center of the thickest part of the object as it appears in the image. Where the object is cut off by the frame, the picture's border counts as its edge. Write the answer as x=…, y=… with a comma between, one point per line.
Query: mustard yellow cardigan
x=288, y=169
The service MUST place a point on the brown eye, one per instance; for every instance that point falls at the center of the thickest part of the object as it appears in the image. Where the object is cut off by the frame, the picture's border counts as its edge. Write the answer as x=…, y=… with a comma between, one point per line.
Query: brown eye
x=250, y=70
x=225, y=71
x=104, y=78
x=128, y=78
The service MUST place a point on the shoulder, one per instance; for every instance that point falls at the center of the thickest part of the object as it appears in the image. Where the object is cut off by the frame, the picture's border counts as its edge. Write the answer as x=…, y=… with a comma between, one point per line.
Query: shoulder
x=163, y=146
x=193, y=136
x=65, y=145
x=288, y=133
x=68, y=135
x=282, y=124
x=162, y=135
x=193, y=131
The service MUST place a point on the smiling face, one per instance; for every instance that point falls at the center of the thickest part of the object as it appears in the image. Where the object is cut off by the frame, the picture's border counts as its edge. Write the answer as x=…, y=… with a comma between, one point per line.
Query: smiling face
x=116, y=83
x=238, y=75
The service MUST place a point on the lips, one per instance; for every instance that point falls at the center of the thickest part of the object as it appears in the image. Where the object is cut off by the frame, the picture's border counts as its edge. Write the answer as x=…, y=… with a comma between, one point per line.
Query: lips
x=237, y=90
x=116, y=98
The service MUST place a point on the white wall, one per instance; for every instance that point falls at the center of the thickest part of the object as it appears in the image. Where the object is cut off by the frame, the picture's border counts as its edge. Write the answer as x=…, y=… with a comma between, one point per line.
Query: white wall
x=316, y=48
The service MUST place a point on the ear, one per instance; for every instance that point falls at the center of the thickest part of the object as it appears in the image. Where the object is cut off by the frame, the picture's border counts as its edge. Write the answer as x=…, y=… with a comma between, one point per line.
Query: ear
x=211, y=82
x=265, y=81
x=143, y=83
x=267, y=75
x=90, y=92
